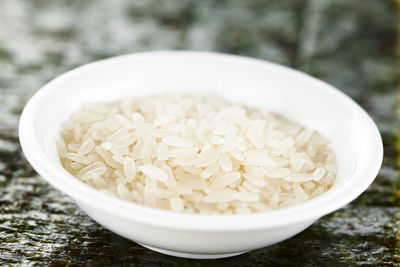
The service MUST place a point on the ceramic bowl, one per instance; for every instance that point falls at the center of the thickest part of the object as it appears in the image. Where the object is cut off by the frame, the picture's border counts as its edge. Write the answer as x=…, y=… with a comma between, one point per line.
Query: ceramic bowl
x=295, y=95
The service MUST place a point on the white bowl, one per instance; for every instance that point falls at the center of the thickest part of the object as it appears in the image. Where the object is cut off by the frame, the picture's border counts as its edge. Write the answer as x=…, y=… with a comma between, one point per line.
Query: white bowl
x=297, y=96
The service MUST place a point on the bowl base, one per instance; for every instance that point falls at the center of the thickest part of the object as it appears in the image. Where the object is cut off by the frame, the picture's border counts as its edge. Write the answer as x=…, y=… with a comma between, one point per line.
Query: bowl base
x=191, y=255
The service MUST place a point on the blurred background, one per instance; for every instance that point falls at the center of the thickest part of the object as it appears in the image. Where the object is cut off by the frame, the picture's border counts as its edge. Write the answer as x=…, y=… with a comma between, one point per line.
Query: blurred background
x=350, y=44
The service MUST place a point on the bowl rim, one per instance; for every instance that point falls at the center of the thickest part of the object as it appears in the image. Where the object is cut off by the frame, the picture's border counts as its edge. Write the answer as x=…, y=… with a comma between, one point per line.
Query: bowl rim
x=310, y=210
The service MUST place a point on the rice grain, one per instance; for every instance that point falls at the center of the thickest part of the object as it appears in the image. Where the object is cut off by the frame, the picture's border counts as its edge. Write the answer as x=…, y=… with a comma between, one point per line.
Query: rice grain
x=195, y=155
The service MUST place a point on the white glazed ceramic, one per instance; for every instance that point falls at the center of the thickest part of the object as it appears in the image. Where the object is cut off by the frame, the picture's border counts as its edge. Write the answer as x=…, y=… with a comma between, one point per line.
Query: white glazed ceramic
x=295, y=95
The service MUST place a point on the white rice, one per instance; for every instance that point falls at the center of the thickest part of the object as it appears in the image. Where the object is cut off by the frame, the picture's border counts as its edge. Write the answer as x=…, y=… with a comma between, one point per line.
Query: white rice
x=196, y=155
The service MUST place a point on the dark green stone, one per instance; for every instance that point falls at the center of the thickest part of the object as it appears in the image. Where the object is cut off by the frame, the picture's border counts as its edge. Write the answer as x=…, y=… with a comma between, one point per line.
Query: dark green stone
x=350, y=44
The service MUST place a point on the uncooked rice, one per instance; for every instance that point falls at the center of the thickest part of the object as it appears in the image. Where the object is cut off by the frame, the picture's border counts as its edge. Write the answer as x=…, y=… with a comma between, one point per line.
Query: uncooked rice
x=195, y=154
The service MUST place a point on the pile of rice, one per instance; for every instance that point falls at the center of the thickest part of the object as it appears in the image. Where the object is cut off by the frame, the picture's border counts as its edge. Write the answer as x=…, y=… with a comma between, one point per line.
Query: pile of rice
x=195, y=154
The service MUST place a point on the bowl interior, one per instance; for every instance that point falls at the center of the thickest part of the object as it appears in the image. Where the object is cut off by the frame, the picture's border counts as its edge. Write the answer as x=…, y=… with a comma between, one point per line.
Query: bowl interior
x=292, y=94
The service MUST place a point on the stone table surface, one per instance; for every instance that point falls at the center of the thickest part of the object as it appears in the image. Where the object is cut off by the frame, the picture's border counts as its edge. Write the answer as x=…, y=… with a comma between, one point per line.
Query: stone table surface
x=350, y=44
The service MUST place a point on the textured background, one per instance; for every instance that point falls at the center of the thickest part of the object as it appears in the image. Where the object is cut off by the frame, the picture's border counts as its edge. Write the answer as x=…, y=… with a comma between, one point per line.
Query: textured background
x=350, y=44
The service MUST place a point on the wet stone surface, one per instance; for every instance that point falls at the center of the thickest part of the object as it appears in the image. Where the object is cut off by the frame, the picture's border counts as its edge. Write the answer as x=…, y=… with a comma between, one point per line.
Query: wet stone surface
x=350, y=44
